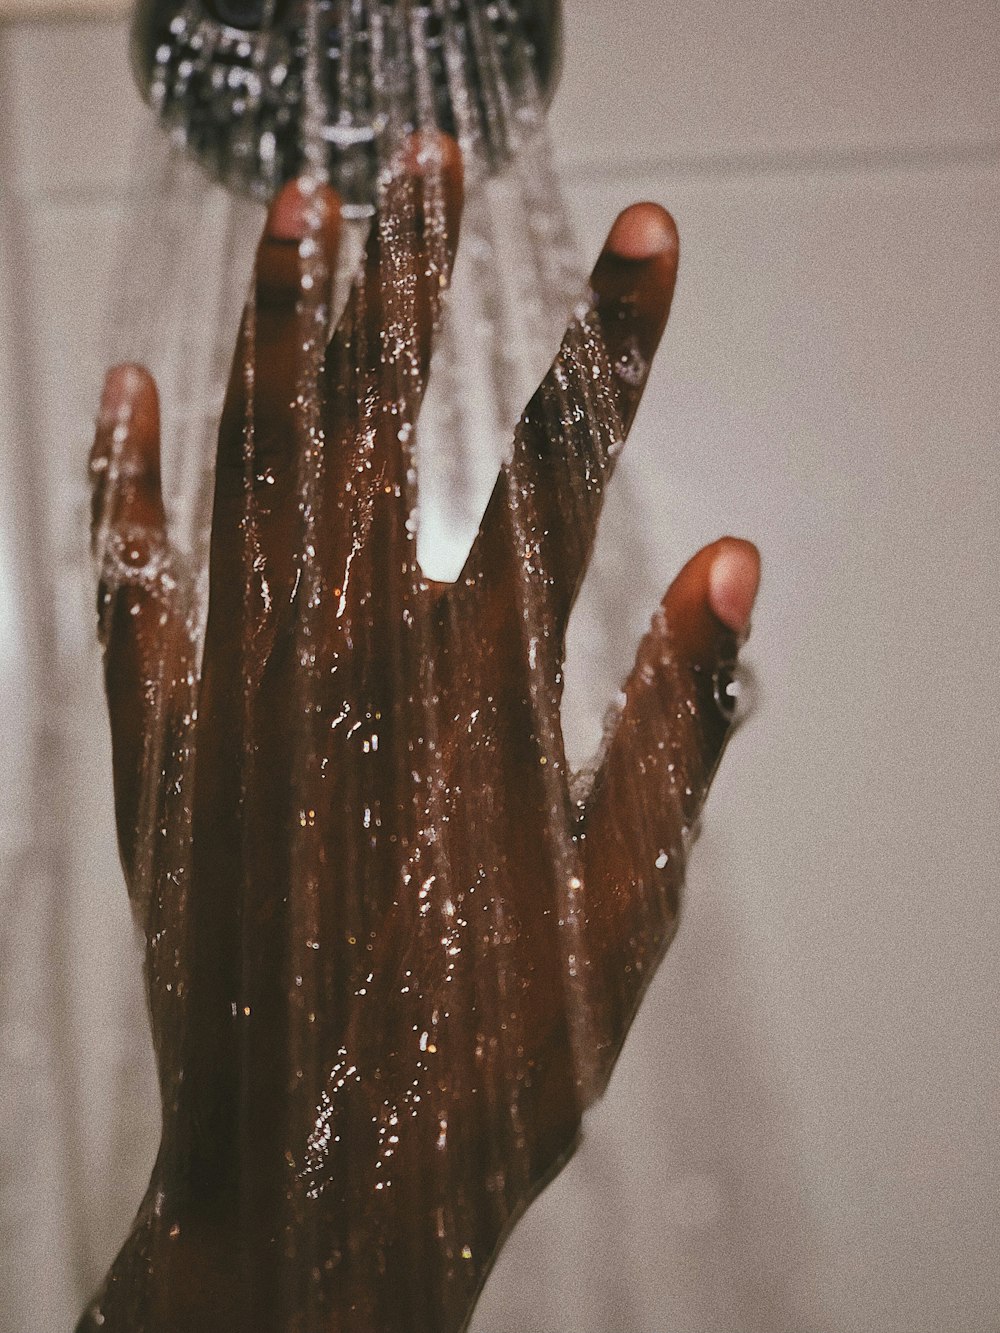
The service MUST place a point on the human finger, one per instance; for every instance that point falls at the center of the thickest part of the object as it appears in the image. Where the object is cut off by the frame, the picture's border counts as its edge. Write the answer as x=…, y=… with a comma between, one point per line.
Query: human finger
x=284, y=326
x=125, y=457
x=707, y=608
x=379, y=360
x=655, y=773
x=544, y=510
x=137, y=616
x=386, y=332
x=268, y=415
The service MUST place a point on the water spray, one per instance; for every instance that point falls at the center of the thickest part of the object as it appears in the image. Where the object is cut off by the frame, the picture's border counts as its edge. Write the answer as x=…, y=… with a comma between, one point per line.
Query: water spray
x=233, y=79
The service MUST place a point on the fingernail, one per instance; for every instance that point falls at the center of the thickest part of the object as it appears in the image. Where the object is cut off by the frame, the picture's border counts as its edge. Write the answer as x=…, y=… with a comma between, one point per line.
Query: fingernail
x=642, y=231
x=121, y=385
x=733, y=581
x=430, y=151
x=300, y=209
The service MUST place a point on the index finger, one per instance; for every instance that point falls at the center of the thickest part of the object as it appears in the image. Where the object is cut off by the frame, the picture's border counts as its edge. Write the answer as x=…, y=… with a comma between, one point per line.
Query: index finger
x=542, y=517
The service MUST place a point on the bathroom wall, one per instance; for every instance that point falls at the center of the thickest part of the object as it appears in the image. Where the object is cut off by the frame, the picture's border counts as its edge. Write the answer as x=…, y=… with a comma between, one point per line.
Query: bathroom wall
x=802, y=1131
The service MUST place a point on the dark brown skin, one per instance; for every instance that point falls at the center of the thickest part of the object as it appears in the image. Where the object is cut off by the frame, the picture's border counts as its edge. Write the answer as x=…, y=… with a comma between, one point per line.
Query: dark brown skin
x=226, y=1240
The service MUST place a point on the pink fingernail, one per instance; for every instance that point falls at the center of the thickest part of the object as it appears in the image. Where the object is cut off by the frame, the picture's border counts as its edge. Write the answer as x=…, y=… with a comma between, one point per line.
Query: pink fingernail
x=121, y=385
x=427, y=152
x=300, y=209
x=287, y=219
x=733, y=581
x=642, y=231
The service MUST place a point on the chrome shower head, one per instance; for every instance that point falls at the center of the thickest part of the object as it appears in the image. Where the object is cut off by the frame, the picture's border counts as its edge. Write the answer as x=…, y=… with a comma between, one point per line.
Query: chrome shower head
x=234, y=81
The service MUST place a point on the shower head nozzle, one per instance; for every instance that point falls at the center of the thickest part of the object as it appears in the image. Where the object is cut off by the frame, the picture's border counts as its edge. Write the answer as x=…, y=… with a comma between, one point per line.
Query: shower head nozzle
x=255, y=89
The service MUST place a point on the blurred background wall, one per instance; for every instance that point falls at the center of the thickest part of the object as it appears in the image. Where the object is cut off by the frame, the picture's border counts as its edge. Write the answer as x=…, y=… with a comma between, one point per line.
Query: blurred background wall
x=802, y=1133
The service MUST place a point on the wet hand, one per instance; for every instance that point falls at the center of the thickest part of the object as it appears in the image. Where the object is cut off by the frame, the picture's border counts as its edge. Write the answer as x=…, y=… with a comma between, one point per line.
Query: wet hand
x=391, y=956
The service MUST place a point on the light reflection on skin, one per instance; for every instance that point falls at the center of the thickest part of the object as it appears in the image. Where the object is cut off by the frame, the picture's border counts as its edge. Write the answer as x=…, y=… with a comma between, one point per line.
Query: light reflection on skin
x=341, y=1036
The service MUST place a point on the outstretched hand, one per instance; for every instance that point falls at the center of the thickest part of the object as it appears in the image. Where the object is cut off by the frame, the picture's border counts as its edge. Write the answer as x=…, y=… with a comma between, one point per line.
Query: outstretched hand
x=390, y=956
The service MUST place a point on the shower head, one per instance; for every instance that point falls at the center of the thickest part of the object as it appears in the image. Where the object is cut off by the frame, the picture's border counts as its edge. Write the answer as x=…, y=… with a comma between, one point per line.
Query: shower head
x=256, y=89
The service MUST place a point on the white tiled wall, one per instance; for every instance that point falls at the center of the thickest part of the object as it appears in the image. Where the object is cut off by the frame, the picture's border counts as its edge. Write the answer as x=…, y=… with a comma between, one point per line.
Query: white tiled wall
x=801, y=1135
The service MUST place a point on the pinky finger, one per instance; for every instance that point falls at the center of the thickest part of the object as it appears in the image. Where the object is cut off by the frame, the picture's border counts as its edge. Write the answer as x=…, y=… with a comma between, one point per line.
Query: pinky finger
x=679, y=707
x=659, y=762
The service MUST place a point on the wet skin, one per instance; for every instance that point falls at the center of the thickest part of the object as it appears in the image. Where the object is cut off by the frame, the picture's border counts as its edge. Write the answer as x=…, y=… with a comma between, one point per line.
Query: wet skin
x=248, y=1227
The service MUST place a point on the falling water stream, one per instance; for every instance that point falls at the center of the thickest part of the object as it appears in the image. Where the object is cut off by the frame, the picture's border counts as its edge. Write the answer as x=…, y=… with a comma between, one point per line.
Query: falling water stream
x=393, y=944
